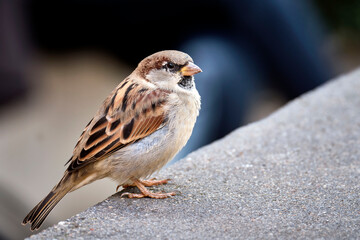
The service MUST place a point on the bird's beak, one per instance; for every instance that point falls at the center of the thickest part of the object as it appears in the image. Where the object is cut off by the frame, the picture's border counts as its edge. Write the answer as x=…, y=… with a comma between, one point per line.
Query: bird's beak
x=190, y=69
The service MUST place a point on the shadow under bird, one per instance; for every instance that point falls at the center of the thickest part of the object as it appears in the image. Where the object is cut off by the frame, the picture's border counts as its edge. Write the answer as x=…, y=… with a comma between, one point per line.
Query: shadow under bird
x=140, y=126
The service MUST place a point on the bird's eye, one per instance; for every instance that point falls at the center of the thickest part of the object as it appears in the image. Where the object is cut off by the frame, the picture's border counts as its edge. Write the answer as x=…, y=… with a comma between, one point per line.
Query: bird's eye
x=170, y=65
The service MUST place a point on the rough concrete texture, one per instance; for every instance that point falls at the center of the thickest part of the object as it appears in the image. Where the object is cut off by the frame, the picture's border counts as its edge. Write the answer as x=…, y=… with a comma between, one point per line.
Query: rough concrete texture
x=293, y=175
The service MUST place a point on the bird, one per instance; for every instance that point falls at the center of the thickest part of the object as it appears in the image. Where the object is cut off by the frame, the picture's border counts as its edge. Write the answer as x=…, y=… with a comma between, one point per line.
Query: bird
x=144, y=122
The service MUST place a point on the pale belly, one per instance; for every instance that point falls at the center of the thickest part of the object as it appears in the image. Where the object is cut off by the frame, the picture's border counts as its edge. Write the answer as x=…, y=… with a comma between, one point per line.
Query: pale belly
x=148, y=155
x=141, y=159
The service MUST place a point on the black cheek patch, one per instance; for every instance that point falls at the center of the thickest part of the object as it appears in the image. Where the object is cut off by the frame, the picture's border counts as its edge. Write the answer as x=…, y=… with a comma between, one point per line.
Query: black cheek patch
x=186, y=82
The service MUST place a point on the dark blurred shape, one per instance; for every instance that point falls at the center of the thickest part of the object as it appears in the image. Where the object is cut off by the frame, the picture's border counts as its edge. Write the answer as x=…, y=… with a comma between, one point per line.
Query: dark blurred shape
x=128, y=29
x=341, y=15
x=343, y=21
x=14, y=49
x=246, y=45
x=270, y=44
x=133, y=29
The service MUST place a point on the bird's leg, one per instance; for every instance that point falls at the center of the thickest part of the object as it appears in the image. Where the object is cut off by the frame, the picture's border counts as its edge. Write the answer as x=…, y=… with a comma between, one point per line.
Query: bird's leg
x=147, y=183
x=145, y=192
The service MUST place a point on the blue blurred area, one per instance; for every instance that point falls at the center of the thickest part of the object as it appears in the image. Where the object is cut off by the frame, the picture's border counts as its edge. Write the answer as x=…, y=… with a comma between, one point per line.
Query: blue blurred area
x=270, y=44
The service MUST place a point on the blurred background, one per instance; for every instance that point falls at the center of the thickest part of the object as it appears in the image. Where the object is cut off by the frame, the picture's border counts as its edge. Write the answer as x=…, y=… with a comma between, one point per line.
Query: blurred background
x=59, y=60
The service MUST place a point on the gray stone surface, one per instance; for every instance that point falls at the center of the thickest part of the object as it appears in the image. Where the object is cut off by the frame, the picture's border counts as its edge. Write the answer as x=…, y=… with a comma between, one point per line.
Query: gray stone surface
x=295, y=174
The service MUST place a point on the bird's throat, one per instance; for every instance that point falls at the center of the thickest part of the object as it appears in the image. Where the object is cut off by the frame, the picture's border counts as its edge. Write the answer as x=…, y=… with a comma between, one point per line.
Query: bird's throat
x=186, y=82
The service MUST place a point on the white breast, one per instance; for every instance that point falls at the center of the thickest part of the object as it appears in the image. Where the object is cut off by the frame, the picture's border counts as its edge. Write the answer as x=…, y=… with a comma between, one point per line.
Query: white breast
x=141, y=159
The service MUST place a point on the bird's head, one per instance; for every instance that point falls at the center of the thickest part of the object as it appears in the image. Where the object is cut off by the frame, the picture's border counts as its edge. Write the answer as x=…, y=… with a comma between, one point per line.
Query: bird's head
x=169, y=70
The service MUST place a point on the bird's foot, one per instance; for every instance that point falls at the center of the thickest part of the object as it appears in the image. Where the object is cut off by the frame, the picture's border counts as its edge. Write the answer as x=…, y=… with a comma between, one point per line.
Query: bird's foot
x=145, y=192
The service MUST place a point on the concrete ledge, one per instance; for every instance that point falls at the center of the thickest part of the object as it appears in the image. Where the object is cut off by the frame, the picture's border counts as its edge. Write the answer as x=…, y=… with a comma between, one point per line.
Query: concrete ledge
x=295, y=174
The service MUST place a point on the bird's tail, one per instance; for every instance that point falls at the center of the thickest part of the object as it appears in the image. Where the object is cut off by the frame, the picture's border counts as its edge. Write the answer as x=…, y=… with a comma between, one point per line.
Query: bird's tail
x=38, y=214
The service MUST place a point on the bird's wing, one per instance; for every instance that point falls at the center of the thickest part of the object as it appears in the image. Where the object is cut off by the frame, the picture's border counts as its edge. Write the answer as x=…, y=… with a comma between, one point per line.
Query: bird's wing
x=130, y=113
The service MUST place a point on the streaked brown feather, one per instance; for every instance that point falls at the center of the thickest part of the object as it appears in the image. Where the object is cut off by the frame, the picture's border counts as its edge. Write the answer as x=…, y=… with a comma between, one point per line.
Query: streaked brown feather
x=101, y=123
x=119, y=124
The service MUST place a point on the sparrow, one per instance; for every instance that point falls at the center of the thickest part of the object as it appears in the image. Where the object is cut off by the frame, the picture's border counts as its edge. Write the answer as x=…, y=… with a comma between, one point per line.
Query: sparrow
x=144, y=122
